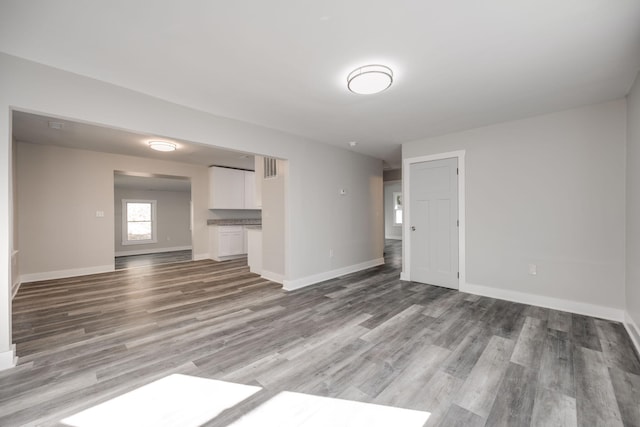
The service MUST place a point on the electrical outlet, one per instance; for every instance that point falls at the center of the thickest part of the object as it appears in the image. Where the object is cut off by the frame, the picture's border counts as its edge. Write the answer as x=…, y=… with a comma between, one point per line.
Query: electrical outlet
x=99, y=214
x=533, y=269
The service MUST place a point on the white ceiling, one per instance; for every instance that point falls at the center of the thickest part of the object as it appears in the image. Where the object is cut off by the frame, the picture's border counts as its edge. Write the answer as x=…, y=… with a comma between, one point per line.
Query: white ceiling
x=35, y=129
x=283, y=63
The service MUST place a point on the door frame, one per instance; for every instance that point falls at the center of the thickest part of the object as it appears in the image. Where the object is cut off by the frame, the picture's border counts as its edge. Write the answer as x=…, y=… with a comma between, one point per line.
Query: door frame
x=406, y=196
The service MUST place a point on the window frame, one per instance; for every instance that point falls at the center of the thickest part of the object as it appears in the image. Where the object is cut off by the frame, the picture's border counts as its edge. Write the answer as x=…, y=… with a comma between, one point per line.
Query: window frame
x=125, y=223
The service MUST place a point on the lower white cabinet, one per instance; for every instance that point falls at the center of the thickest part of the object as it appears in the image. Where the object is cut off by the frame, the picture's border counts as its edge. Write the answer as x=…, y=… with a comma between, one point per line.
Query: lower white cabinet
x=226, y=241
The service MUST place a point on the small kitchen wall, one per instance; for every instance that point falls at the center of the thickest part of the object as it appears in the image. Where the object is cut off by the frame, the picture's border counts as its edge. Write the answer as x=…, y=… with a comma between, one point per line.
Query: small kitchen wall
x=173, y=220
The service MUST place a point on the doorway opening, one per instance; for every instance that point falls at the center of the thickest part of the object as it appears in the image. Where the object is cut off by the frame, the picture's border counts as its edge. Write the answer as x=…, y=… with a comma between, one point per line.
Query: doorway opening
x=152, y=219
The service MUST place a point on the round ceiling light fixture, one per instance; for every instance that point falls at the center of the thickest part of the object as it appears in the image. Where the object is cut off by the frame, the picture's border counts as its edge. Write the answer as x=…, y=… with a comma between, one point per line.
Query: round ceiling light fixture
x=162, y=146
x=370, y=79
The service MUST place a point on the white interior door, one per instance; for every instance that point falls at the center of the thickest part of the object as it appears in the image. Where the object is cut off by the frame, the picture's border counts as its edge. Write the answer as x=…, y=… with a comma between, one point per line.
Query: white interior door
x=434, y=222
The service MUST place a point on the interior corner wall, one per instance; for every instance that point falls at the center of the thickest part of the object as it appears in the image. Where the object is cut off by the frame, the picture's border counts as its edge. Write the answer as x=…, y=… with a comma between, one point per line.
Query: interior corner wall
x=59, y=192
x=549, y=191
x=632, y=285
x=173, y=216
x=391, y=231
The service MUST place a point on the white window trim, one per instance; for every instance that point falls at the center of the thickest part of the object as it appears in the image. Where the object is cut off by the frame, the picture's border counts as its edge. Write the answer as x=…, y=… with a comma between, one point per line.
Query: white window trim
x=154, y=223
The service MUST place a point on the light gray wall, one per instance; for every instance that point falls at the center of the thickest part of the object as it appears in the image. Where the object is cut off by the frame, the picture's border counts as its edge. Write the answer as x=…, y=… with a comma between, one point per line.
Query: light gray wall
x=59, y=192
x=633, y=207
x=548, y=190
x=173, y=219
x=391, y=231
x=316, y=171
x=273, y=223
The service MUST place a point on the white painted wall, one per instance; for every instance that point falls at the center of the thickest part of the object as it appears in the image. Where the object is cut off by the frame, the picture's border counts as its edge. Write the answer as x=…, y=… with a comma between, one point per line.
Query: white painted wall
x=632, y=287
x=59, y=192
x=547, y=190
x=318, y=219
x=391, y=231
x=173, y=220
x=274, y=220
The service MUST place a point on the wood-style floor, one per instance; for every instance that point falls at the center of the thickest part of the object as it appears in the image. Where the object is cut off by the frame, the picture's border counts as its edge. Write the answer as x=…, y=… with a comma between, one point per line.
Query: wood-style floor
x=130, y=261
x=368, y=337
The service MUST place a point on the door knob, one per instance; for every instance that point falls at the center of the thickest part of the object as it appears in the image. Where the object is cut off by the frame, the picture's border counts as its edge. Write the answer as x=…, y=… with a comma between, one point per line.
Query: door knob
x=413, y=228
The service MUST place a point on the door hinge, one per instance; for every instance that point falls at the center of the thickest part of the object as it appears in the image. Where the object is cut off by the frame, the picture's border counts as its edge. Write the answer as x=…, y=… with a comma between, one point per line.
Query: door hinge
x=458, y=274
x=457, y=171
x=458, y=223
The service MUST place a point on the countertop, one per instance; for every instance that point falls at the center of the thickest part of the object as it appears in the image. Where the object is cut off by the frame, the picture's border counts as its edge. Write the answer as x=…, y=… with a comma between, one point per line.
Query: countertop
x=241, y=221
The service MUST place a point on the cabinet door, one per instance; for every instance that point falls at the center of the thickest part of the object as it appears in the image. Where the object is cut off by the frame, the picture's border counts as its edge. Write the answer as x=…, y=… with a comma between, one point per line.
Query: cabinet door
x=230, y=241
x=237, y=243
x=250, y=190
x=226, y=188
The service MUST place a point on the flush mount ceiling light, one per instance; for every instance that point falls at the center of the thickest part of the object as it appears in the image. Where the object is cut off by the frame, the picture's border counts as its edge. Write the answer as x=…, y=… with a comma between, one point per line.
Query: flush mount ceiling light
x=162, y=146
x=370, y=79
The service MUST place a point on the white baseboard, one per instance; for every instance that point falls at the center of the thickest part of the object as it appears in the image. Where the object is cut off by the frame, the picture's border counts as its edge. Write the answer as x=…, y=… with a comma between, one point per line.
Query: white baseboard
x=8, y=359
x=633, y=330
x=290, y=285
x=61, y=274
x=586, y=309
x=153, y=251
x=404, y=276
x=393, y=237
x=199, y=257
x=274, y=277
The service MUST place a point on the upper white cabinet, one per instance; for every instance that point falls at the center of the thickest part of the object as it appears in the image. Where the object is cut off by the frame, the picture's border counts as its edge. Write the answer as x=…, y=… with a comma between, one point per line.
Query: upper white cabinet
x=231, y=189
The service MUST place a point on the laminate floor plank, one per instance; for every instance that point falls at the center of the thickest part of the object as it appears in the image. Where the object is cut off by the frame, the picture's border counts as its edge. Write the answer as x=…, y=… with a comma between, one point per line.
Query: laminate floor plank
x=515, y=398
x=596, y=402
x=557, y=364
x=366, y=336
x=553, y=409
x=481, y=386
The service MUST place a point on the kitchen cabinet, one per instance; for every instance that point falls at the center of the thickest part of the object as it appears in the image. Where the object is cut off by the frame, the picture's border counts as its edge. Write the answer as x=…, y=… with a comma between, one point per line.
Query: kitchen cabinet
x=231, y=188
x=226, y=242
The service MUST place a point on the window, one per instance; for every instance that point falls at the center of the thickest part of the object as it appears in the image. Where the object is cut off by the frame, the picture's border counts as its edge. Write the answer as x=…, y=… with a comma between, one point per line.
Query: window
x=397, y=208
x=138, y=222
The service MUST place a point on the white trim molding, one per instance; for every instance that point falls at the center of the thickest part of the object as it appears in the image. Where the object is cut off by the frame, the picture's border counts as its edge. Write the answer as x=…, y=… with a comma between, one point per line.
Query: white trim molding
x=153, y=251
x=570, y=306
x=8, y=359
x=273, y=277
x=406, y=186
x=200, y=257
x=62, y=274
x=291, y=285
x=633, y=330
